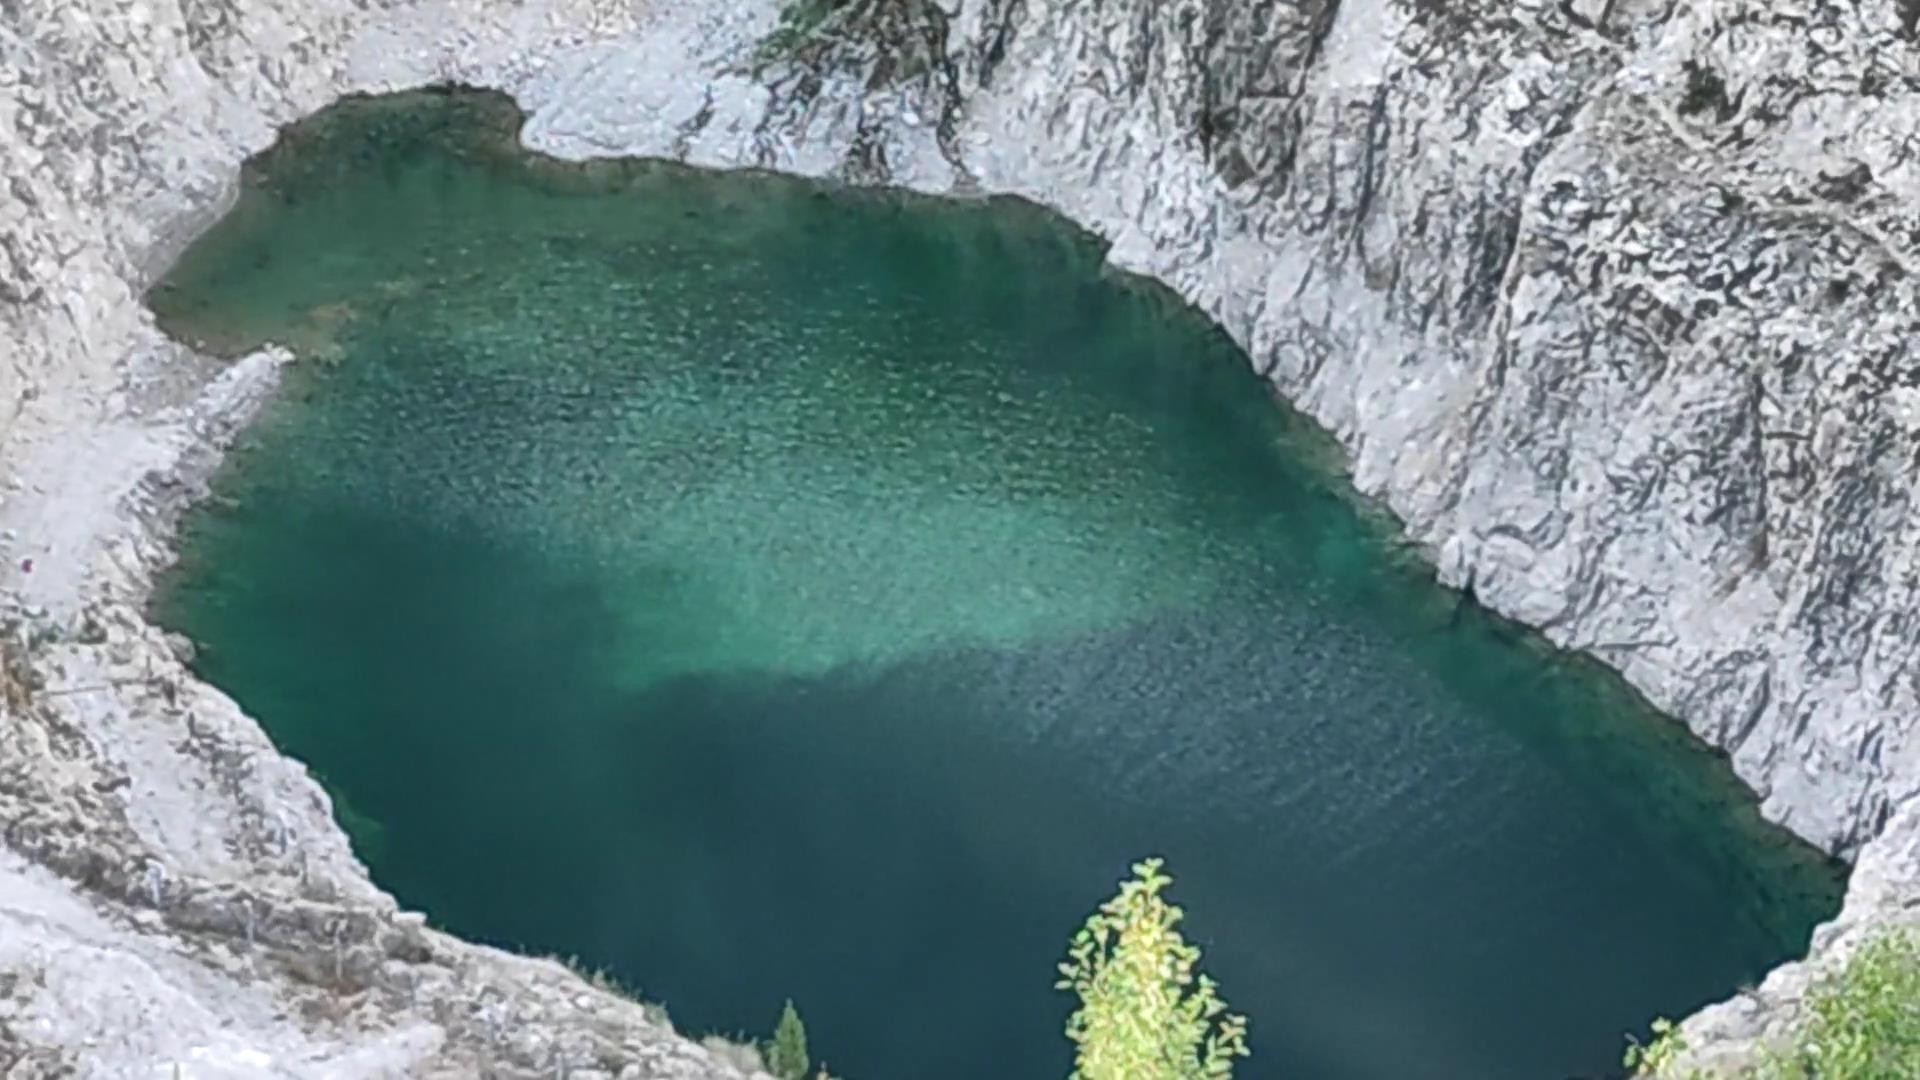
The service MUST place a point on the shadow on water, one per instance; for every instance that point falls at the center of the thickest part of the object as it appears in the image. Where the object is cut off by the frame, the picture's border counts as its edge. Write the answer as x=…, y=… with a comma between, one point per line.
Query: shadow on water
x=763, y=591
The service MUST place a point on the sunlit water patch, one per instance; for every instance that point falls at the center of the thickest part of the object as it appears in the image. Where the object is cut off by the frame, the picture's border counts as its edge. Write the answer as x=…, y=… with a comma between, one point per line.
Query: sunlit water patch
x=765, y=590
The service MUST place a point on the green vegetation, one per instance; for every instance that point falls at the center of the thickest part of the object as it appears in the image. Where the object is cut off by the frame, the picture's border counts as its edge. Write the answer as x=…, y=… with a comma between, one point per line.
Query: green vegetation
x=1144, y=1013
x=889, y=40
x=603, y=980
x=1863, y=1023
x=1658, y=1057
x=787, y=1053
x=799, y=21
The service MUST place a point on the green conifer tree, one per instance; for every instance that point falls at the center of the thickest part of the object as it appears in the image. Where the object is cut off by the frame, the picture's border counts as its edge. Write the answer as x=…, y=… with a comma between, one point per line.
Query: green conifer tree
x=787, y=1054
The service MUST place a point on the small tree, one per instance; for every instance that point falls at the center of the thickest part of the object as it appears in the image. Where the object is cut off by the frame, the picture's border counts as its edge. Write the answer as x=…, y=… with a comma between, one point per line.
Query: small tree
x=787, y=1054
x=1144, y=1012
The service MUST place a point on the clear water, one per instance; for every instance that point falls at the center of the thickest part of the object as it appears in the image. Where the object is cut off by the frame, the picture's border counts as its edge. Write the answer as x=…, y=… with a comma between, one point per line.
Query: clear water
x=765, y=590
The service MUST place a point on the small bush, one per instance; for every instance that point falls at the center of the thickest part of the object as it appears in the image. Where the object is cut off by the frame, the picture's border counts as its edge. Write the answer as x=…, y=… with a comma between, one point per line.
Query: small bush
x=1144, y=1012
x=1657, y=1057
x=743, y=1056
x=1865, y=1022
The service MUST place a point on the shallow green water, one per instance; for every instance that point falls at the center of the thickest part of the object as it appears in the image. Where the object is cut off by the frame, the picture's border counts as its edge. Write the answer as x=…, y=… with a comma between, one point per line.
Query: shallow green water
x=762, y=590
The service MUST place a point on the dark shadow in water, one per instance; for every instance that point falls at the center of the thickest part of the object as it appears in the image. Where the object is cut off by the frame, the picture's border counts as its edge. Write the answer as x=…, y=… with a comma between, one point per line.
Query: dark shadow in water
x=905, y=849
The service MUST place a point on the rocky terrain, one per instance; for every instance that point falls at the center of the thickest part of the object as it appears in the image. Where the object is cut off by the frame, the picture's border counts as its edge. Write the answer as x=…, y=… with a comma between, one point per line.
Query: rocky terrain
x=1610, y=300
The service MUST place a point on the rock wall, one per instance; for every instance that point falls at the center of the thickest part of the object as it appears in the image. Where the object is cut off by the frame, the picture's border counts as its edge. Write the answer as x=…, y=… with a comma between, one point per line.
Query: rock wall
x=1610, y=306
x=175, y=899
x=1608, y=299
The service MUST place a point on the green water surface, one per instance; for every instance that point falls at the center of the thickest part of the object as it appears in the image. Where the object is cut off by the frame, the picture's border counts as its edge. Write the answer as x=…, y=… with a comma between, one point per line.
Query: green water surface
x=762, y=590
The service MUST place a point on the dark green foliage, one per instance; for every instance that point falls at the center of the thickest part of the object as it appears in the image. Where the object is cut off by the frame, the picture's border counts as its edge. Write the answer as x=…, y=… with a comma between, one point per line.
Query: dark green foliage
x=787, y=1054
x=798, y=22
x=889, y=41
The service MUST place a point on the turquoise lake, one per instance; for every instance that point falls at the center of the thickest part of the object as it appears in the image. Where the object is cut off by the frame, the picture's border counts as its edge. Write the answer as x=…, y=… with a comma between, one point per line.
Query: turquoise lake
x=762, y=590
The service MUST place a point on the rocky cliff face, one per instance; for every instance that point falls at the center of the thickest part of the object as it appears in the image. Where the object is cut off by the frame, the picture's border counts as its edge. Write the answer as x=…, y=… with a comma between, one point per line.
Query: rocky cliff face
x=1608, y=299
x=1610, y=305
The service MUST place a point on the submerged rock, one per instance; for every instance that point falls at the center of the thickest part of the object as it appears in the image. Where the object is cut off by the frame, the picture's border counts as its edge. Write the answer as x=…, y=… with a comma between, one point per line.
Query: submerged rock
x=1610, y=301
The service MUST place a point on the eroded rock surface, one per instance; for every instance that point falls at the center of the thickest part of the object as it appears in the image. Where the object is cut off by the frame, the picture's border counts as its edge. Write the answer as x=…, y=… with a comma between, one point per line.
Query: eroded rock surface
x=1610, y=300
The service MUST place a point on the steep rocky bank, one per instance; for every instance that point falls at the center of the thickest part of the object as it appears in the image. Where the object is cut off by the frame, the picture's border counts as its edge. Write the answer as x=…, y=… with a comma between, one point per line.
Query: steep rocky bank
x=1608, y=299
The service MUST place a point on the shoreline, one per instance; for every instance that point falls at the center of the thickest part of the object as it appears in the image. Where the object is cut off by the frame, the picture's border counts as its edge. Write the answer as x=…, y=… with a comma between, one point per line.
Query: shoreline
x=112, y=446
